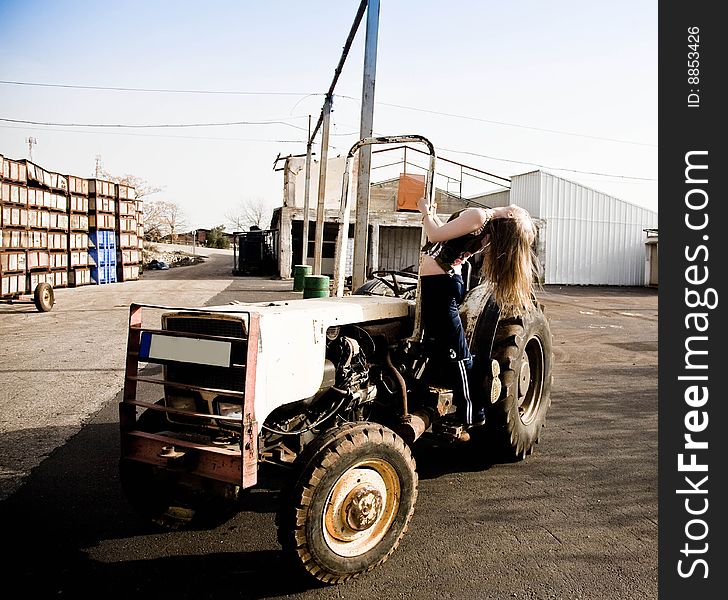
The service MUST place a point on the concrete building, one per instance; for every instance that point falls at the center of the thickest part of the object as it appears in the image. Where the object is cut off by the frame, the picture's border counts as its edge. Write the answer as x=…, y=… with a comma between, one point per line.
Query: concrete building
x=585, y=237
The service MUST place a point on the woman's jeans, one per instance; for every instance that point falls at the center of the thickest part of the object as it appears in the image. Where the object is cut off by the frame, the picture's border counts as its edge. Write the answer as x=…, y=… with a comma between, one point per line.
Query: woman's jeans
x=441, y=296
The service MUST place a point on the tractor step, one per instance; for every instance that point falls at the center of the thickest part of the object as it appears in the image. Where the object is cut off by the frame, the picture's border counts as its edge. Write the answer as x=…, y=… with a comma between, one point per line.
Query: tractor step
x=440, y=399
x=449, y=431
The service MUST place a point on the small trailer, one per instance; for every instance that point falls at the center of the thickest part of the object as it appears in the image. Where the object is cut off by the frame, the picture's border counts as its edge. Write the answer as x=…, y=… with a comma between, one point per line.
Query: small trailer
x=42, y=296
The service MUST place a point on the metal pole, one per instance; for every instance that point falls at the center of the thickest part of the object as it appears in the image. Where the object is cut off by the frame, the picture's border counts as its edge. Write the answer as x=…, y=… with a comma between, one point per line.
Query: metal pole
x=342, y=60
x=306, y=198
x=319, y=240
x=361, y=229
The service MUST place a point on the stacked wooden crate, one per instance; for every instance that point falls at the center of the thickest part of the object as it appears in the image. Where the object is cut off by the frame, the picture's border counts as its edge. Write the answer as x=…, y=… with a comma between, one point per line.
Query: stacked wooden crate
x=65, y=230
x=129, y=255
x=79, y=272
x=47, y=227
x=13, y=228
x=140, y=230
x=102, y=230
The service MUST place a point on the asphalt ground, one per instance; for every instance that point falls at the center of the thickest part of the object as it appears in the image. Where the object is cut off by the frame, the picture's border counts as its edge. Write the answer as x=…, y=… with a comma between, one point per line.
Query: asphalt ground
x=576, y=520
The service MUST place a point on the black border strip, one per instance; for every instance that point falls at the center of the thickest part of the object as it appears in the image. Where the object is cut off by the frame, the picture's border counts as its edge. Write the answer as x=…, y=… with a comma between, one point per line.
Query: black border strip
x=692, y=402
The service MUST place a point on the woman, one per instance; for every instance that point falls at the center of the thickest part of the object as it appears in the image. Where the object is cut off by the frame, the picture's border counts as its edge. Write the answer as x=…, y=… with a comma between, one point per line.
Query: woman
x=505, y=235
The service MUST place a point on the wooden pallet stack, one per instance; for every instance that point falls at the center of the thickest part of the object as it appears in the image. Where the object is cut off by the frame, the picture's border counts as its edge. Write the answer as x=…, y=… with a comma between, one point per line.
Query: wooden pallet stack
x=47, y=259
x=65, y=230
x=129, y=255
x=140, y=230
x=79, y=272
x=13, y=228
x=102, y=230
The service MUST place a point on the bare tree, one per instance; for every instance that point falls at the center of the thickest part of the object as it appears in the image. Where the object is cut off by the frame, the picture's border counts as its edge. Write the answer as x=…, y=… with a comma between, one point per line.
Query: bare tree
x=174, y=219
x=154, y=225
x=163, y=217
x=142, y=187
x=252, y=212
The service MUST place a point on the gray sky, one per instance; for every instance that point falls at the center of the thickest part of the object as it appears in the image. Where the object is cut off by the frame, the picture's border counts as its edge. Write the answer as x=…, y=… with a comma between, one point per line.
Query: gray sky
x=567, y=86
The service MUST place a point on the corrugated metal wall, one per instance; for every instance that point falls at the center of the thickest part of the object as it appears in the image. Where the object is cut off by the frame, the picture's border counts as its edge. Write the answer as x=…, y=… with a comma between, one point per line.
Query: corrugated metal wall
x=526, y=192
x=591, y=238
x=399, y=247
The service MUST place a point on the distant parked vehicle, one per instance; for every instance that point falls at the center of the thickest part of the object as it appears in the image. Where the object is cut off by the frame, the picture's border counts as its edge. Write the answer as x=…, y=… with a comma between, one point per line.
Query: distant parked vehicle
x=159, y=265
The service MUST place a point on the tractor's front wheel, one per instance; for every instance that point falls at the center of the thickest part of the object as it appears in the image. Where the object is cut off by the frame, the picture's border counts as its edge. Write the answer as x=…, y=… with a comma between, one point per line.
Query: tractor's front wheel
x=350, y=502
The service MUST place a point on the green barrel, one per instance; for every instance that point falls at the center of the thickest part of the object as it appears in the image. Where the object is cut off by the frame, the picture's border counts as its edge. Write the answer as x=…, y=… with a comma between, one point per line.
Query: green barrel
x=299, y=272
x=315, y=286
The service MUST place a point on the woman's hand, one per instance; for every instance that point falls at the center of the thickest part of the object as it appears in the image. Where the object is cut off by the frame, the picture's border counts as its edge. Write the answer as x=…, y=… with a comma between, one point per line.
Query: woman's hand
x=422, y=206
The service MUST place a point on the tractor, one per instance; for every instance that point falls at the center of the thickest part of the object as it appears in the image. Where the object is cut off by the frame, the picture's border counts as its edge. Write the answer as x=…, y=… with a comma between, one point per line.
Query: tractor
x=333, y=390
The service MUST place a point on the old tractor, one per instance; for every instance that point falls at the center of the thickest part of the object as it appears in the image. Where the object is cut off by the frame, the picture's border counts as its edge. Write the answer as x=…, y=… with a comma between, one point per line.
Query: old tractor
x=335, y=390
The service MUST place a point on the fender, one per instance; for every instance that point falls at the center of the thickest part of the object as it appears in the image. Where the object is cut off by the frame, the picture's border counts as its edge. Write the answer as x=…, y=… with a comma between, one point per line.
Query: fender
x=480, y=315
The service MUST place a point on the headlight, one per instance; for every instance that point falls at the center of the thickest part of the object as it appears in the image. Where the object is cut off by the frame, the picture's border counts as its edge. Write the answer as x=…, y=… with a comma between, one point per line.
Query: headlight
x=186, y=403
x=230, y=409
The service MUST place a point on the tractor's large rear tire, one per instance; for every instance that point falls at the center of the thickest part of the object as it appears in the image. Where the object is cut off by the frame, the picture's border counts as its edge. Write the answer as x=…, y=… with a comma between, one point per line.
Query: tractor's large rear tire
x=523, y=349
x=349, y=502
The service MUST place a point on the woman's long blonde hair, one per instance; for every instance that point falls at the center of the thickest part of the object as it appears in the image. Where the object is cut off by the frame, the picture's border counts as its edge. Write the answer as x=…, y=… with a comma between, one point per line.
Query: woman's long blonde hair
x=510, y=265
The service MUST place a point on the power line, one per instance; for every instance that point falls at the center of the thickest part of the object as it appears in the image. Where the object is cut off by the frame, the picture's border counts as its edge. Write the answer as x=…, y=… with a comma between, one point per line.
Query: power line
x=164, y=125
x=157, y=90
x=187, y=125
x=308, y=94
x=522, y=162
x=503, y=123
x=160, y=136
x=151, y=126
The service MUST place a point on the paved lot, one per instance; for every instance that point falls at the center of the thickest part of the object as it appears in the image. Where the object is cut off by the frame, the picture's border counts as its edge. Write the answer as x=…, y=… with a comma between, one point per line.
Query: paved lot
x=578, y=519
x=59, y=368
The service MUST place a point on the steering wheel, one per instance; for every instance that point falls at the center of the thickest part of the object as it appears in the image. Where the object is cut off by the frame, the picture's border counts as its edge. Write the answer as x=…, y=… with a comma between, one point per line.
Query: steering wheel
x=399, y=289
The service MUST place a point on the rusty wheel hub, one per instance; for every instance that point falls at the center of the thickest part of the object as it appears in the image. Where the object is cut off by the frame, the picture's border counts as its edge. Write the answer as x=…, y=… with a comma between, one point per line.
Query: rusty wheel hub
x=361, y=507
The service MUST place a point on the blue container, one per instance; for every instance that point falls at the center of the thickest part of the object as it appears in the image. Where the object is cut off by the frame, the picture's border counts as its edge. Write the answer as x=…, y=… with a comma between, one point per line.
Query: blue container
x=102, y=252
x=103, y=257
x=103, y=274
x=102, y=238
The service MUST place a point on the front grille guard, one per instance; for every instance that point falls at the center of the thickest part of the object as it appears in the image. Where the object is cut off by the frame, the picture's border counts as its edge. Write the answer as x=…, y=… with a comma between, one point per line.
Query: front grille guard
x=235, y=465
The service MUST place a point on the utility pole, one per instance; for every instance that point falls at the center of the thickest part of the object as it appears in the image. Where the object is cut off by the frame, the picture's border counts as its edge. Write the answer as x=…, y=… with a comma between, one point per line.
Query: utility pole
x=307, y=197
x=98, y=166
x=361, y=228
x=31, y=142
x=324, y=122
x=320, y=214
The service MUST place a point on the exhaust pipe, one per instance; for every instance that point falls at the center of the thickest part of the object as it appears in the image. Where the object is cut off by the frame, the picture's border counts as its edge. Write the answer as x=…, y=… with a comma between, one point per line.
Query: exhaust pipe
x=414, y=425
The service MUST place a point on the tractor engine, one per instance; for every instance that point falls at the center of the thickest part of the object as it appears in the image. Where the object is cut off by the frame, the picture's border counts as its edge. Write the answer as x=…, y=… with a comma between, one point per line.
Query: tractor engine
x=351, y=371
x=347, y=394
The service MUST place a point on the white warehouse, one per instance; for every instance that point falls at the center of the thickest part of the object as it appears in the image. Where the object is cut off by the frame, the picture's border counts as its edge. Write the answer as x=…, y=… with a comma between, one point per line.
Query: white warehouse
x=586, y=237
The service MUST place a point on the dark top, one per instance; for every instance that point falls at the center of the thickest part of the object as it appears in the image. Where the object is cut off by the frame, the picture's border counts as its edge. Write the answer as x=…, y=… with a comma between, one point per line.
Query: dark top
x=451, y=253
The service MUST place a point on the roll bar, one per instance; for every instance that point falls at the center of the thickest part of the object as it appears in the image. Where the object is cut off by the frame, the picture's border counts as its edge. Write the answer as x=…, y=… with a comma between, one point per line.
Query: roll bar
x=345, y=209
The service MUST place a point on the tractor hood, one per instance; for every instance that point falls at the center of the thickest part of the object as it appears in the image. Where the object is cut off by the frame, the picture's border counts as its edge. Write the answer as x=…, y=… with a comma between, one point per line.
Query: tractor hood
x=292, y=341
